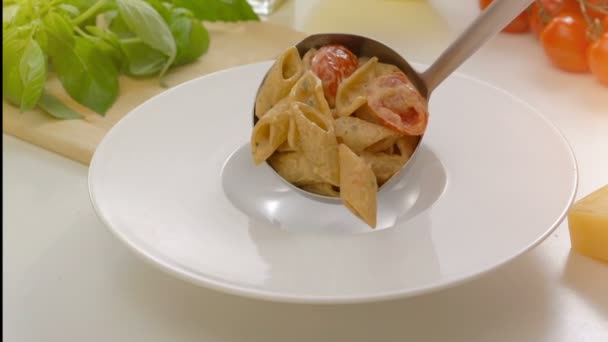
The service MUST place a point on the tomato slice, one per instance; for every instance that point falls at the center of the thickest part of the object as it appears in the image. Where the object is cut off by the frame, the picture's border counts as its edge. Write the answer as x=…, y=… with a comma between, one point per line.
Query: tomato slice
x=397, y=103
x=332, y=64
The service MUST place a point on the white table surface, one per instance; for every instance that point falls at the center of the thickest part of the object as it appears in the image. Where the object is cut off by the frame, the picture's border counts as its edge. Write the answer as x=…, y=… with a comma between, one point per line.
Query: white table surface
x=67, y=279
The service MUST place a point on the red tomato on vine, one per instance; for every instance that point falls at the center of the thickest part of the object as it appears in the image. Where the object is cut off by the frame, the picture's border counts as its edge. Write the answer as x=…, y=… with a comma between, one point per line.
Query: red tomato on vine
x=542, y=11
x=565, y=42
x=597, y=55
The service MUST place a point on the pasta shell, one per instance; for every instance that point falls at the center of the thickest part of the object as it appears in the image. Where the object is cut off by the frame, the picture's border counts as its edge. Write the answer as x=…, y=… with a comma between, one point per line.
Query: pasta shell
x=283, y=74
x=358, y=186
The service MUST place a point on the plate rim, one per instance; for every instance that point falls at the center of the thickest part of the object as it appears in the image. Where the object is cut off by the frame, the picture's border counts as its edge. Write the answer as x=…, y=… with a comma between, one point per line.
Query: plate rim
x=206, y=281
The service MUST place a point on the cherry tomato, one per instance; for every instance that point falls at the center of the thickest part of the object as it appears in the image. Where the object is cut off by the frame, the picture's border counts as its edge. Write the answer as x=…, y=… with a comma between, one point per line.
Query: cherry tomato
x=594, y=13
x=537, y=20
x=565, y=43
x=550, y=8
x=332, y=64
x=518, y=25
x=397, y=104
x=569, y=6
x=597, y=57
x=573, y=6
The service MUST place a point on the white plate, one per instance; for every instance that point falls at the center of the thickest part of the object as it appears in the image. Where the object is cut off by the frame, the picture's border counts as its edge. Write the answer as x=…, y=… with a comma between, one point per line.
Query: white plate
x=175, y=182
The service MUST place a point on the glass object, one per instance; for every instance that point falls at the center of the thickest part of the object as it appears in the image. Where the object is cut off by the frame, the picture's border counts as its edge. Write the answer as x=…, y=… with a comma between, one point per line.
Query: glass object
x=265, y=7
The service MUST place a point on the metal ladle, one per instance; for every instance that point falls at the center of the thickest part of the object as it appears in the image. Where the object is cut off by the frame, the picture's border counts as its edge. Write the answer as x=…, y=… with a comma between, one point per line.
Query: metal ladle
x=491, y=21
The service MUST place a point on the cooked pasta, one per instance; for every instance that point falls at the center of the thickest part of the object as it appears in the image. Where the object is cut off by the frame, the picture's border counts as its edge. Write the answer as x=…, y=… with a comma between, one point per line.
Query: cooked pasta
x=318, y=143
x=324, y=189
x=270, y=132
x=352, y=91
x=384, y=165
x=359, y=134
x=309, y=90
x=307, y=58
x=337, y=125
x=295, y=168
x=283, y=74
x=358, y=185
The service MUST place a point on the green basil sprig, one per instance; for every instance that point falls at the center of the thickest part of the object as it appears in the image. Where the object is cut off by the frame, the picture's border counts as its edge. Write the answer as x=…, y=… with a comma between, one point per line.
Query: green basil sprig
x=89, y=43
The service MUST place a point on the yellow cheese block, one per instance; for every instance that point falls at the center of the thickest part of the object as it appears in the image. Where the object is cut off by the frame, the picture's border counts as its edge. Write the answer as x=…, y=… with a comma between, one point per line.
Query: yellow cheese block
x=588, y=224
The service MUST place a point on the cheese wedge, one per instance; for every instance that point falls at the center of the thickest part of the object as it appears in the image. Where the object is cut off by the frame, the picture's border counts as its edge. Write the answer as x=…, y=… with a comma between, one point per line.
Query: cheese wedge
x=588, y=224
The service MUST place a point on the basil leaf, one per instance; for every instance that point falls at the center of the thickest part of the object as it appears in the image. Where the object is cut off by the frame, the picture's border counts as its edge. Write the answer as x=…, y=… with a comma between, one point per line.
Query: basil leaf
x=180, y=28
x=199, y=41
x=148, y=25
x=32, y=70
x=161, y=9
x=180, y=11
x=42, y=39
x=70, y=9
x=108, y=43
x=96, y=31
x=142, y=60
x=111, y=51
x=84, y=5
x=57, y=109
x=12, y=86
x=117, y=25
x=15, y=33
x=112, y=39
x=8, y=13
x=219, y=10
x=59, y=32
x=24, y=15
x=191, y=37
x=87, y=75
x=106, y=35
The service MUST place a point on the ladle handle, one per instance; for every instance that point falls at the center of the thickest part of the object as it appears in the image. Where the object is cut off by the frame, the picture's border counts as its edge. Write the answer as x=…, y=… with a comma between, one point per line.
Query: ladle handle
x=491, y=21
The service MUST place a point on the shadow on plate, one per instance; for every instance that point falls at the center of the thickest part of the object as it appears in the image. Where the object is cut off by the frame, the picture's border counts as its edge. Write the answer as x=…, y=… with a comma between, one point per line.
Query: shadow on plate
x=261, y=195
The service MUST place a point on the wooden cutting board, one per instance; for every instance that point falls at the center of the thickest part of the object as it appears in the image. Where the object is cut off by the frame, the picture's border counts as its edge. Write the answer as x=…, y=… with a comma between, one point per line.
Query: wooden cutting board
x=231, y=45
